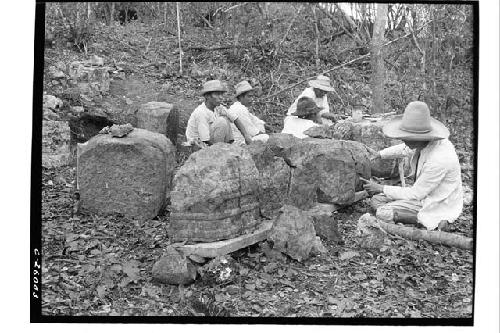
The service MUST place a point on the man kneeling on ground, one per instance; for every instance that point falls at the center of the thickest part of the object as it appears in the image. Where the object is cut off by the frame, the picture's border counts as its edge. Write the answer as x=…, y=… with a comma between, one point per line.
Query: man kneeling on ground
x=436, y=197
x=250, y=128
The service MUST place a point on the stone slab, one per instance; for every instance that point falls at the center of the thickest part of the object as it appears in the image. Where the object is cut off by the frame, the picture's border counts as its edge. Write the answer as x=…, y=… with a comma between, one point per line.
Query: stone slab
x=215, y=249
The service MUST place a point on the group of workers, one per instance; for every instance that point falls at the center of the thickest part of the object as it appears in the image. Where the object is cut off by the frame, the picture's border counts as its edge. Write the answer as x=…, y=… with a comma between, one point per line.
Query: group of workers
x=434, y=201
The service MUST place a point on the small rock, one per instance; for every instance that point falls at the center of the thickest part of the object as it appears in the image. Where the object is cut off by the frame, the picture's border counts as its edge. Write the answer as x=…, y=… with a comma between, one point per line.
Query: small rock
x=52, y=102
x=174, y=268
x=119, y=131
x=293, y=233
x=324, y=222
x=370, y=235
x=56, y=73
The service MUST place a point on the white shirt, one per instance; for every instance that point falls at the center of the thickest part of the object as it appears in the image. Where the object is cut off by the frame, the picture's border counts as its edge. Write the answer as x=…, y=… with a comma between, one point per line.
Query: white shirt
x=198, y=126
x=439, y=183
x=201, y=120
x=253, y=125
x=297, y=126
x=320, y=102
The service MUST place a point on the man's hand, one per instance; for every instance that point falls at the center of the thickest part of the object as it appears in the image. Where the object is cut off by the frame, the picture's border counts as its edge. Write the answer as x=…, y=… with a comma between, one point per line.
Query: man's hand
x=220, y=111
x=371, y=187
x=248, y=140
x=373, y=154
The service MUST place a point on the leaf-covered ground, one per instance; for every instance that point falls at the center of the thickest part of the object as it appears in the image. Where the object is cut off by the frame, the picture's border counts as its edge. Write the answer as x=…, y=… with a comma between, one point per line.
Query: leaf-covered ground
x=94, y=265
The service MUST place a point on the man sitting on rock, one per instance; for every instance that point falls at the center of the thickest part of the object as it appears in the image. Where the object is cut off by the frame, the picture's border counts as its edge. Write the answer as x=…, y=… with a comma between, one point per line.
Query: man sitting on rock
x=210, y=122
x=317, y=91
x=436, y=197
x=252, y=128
x=307, y=115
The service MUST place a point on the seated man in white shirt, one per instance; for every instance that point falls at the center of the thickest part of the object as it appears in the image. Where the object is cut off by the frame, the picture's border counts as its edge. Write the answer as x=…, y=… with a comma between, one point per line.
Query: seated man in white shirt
x=252, y=128
x=435, y=199
x=307, y=115
x=210, y=122
x=318, y=90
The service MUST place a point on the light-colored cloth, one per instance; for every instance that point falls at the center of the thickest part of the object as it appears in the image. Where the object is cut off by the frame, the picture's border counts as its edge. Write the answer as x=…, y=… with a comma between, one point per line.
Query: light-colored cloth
x=253, y=125
x=297, y=126
x=438, y=186
x=320, y=102
x=220, y=130
x=203, y=121
x=385, y=207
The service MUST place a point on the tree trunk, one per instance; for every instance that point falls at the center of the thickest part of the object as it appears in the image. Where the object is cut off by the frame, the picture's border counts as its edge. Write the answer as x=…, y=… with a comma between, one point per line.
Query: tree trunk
x=316, y=31
x=165, y=4
x=179, y=36
x=378, y=75
x=111, y=13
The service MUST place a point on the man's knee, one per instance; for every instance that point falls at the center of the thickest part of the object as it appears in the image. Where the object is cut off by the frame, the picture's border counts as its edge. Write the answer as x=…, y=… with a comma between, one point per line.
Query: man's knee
x=377, y=201
x=221, y=130
x=385, y=213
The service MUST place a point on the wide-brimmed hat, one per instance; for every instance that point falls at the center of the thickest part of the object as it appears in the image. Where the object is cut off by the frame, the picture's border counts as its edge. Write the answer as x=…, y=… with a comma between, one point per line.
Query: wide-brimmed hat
x=213, y=85
x=242, y=87
x=416, y=124
x=321, y=82
x=306, y=106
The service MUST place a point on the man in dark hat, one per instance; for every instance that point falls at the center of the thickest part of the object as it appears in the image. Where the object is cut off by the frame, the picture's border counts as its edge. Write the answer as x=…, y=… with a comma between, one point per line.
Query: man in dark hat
x=306, y=115
x=436, y=198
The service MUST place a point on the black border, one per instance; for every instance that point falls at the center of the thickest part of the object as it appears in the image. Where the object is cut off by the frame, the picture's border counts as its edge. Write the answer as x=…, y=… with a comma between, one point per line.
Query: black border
x=35, y=213
x=36, y=161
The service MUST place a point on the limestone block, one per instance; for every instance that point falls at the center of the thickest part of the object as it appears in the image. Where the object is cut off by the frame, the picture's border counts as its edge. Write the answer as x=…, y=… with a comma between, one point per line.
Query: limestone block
x=131, y=175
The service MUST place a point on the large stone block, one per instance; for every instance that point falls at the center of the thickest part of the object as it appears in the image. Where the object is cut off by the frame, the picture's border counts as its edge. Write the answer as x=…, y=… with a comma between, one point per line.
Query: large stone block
x=303, y=172
x=370, y=133
x=130, y=175
x=159, y=117
x=274, y=177
x=55, y=143
x=215, y=195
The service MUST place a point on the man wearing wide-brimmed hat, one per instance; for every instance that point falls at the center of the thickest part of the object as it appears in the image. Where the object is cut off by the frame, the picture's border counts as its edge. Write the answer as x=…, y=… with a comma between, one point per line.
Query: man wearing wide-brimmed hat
x=248, y=127
x=210, y=122
x=306, y=115
x=317, y=91
x=435, y=199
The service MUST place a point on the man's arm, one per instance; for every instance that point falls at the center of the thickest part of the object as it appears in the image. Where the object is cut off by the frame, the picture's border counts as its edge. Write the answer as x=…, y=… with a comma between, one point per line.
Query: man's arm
x=242, y=129
x=431, y=176
x=396, y=151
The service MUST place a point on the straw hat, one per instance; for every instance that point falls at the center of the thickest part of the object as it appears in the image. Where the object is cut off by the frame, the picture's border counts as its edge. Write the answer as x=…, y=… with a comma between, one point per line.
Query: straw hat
x=213, y=85
x=242, y=87
x=306, y=106
x=321, y=82
x=416, y=124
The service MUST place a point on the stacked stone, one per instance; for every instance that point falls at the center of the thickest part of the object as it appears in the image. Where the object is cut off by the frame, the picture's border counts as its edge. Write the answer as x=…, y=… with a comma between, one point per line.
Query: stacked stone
x=214, y=195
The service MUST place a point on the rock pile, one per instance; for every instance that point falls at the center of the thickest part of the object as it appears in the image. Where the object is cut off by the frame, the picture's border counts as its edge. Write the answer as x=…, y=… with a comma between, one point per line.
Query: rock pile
x=130, y=175
x=55, y=143
x=214, y=195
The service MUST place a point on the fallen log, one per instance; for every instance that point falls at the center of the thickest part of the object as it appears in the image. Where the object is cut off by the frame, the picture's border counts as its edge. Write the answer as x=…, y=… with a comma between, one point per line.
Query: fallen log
x=437, y=237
